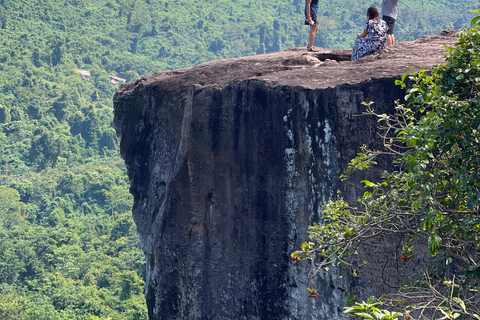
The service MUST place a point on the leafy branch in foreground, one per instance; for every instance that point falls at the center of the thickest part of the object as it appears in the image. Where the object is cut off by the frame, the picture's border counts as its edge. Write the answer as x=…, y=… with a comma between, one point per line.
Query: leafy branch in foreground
x=431, y=197
x=369, y=310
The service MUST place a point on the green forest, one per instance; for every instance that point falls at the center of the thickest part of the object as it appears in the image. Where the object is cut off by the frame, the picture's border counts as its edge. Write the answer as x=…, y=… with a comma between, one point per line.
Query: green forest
x=68, y=244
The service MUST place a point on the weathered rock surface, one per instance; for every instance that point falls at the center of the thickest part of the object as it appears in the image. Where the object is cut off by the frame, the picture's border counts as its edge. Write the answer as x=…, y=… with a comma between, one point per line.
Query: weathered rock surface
x=231, y=160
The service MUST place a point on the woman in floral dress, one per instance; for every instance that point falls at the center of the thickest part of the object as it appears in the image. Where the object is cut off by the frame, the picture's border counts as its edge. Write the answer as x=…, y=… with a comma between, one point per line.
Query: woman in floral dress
x=373, y=38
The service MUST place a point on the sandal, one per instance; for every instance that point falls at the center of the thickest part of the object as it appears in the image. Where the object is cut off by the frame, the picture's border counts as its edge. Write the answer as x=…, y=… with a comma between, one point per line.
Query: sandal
x=312, y=49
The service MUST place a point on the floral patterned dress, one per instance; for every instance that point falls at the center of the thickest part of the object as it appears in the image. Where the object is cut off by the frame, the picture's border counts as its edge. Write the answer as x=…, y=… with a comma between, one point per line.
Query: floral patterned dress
x=375, y=40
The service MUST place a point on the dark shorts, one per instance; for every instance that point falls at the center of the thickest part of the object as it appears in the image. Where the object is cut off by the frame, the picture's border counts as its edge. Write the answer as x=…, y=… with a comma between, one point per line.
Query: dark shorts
x=314, y=19
x=390, y=23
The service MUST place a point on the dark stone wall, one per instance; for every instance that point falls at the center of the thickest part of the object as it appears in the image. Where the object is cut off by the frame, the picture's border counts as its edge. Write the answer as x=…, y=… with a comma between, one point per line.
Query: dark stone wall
x=226, y=182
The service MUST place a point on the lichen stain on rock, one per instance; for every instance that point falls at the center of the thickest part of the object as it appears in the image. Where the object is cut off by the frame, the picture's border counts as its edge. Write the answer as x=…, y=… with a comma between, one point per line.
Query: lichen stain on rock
x=230, y=161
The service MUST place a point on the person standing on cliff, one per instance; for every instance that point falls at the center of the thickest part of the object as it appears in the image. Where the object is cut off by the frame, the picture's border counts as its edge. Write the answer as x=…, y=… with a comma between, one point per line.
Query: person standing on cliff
x=389, y=15
x=311, y=9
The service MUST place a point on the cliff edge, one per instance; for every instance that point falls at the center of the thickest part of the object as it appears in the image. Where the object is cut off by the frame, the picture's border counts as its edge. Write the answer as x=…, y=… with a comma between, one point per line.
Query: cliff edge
x=230, y=161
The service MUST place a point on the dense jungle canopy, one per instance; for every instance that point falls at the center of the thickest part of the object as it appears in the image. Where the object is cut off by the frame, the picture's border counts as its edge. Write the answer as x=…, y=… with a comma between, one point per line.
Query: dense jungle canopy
x=68, y=245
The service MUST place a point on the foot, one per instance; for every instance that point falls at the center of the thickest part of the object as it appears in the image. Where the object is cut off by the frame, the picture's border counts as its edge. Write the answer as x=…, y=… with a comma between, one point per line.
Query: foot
x=311, y=49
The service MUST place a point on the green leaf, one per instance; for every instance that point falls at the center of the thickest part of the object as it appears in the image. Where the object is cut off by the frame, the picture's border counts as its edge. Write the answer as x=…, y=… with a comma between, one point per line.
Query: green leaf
x=474, y=21
x=364, y=315
x=434, y=243
x=446, y=312
x=354, y=309
x=368, y=183
x=460, y=303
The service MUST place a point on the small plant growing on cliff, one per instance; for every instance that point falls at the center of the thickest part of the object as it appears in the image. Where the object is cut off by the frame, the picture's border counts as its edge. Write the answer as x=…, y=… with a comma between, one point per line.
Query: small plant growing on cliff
x=432, y=196
x=369, y=310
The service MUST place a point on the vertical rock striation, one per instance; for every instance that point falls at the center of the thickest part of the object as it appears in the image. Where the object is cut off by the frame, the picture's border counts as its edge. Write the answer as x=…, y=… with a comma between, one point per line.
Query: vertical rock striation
x=229, y=163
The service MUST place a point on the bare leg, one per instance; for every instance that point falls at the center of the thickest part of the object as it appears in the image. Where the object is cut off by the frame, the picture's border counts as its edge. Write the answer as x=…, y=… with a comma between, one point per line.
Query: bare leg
x=311, y=36
x=390, y=39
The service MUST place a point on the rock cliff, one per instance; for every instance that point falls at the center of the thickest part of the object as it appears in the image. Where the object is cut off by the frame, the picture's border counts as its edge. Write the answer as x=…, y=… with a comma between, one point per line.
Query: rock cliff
x=231, y=160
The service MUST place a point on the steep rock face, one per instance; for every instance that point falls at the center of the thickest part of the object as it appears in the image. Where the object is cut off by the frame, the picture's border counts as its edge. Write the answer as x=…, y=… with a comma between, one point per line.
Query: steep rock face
x=229, y=163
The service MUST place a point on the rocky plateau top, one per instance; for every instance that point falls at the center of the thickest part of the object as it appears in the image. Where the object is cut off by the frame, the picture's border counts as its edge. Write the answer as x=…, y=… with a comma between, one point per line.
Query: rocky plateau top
x=323, y=69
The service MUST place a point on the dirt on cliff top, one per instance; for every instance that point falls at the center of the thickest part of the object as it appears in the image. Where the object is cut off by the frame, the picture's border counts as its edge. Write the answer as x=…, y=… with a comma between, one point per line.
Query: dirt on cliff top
x=297, y=67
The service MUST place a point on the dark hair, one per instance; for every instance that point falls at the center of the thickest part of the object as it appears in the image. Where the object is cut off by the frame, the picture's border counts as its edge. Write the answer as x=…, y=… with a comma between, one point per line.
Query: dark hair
x=372, y=14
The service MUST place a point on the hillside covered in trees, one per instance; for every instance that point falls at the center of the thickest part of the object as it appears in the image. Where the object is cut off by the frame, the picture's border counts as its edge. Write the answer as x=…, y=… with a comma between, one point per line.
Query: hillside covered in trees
x=68, y=246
